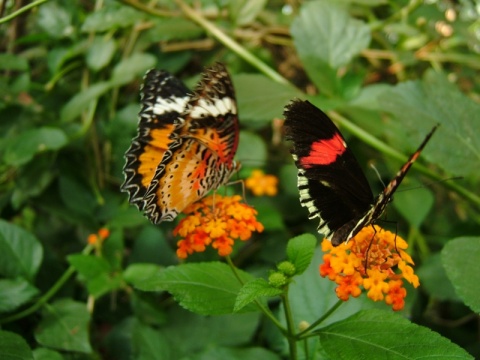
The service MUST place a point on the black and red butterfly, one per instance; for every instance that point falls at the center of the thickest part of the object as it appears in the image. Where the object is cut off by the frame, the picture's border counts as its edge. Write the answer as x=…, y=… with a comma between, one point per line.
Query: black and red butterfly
x=331, y=183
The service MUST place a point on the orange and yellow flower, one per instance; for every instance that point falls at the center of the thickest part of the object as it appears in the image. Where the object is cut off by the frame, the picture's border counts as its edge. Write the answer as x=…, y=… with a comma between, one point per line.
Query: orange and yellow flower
x=260, y=184
x=216, y=221
x=374, y=259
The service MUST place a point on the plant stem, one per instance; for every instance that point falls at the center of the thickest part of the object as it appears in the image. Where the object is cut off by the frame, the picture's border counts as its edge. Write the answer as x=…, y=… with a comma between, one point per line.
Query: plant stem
x=292, y=342
x=262, y=307
x=48, y=295
x=22, y=10
x=304, y=333
x=231, y=44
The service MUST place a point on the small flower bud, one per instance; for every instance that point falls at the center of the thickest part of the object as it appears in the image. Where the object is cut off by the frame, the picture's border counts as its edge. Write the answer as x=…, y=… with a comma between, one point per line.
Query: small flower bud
x=287, y=268
x=277, y=279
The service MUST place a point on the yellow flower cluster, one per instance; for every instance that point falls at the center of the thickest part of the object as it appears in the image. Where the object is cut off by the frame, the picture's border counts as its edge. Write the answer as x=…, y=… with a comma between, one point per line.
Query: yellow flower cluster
x=369, y=260
x=260, y=184
x=217, y=221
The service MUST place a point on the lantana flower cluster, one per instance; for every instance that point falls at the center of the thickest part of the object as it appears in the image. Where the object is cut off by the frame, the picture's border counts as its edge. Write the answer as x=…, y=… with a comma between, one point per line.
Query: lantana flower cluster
x=261, y=184
x=217, y=221
x=374, y=259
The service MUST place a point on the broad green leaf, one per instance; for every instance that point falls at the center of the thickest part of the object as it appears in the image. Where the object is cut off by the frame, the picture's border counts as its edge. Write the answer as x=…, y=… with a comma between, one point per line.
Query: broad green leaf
x=96, y=272
x=46, y=354
x=414, y=205
x=260, y=99
x=14, y=347
x=236, y=354
x=55, y=20
x=127, y=69
x=64, y=326
x=80, y=102
x=245, y=11
x=421, y=104
x=460, y=258
x=377, y=334
x=300, y=251
x=112, y=16
x=164, y=29
x=19, y=292
x=326, y=32
x=252, y=290
x=204, y=288
x=77, y=196
x=152, y=246
x=434, y=280
x=22, y=148
x=252, y=150
x=148, y=343
x=20, y=252
x=100, y=53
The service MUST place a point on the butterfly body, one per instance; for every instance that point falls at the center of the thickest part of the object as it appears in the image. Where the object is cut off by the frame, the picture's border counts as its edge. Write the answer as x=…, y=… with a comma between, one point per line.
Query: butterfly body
x=185, y=144
x=331, y=184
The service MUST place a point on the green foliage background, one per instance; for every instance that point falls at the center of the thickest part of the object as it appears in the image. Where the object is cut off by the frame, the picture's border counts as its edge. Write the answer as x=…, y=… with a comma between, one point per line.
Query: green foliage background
x=385, y=70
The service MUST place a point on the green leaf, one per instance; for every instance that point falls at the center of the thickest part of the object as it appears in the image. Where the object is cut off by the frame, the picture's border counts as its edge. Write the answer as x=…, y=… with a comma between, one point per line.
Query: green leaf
x=377, y=334
x=110, y=17
x=13, y=347
x=300, y=251
x=204, y=288
x=419, y=105
x=80, y=102
x=148, y=343
x=414, y=205
x=96, y=272
x=261, y=99
x=76, y=195
x=251, y=149
x=100, y=53
x=460, y=258
x=136, y=274
x=252, y=290
x=236, y=354
x=46, y=354
x=434, y=279
x=19, y=292
x=65, y=327
x=20, y=252
x=22, y=148
x=127, y=69
x=325, y=31
x=55, y=20
x=13, y=62
x=245, y=11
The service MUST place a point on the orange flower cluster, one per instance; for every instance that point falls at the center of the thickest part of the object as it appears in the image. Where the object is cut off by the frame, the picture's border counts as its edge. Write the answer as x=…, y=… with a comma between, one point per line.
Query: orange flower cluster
x=260, y=184
x=345, y=264
x=215, y=221
x=102, y=234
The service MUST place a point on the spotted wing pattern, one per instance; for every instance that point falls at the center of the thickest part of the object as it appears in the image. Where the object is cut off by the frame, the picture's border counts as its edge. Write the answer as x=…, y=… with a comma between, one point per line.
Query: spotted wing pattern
x=197, y=137
x=331, y=184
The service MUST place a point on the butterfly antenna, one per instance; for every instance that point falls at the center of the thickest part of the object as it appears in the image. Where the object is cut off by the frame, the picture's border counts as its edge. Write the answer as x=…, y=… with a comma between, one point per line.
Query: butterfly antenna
x=378, y=174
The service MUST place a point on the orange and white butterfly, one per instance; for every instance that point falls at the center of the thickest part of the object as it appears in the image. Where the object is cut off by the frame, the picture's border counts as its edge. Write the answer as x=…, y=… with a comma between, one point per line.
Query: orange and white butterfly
x=185, y=144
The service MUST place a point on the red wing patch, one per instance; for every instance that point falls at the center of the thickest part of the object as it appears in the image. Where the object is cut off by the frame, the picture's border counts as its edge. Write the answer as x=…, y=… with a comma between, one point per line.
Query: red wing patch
x=185, y=143
x=324, y=152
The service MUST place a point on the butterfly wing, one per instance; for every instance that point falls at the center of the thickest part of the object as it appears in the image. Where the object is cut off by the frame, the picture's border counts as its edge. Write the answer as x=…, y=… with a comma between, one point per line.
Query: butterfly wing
x=331, y=183
x=200, y=156
x=163, y=99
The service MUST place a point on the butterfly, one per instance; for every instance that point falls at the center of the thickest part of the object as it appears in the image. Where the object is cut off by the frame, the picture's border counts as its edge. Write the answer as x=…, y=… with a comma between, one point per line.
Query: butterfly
x=331, y=184
x=185, y=144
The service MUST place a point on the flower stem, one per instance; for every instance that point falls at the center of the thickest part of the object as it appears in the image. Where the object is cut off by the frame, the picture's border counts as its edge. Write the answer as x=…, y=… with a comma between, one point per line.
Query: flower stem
x=262, y=307
x=292, y=339
x=305, y=332
x=21, y=10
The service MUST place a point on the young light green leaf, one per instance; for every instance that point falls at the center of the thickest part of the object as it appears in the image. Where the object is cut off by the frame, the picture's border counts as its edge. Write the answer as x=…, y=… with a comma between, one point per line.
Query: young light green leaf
x=204, y=288
x=325, y=31
x=112, y=16
x=135, y=274
x=378, y=334
x=252, y=149
x=245, y=11
x=136, y=65
x=253, y=290
x=19, y=292
x=20, y=252
x=65, y=327
x=46, y=354
x=419, y=105
x=13, y=347
x=460, y=260
x=22, y=148
x=100, y=53
x=300, y=251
